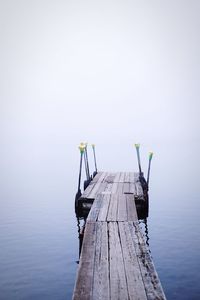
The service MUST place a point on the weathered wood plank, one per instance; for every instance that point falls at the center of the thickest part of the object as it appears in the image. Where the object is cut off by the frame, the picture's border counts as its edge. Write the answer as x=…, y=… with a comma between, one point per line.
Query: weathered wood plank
x=136, y=176
x=109, y=177
x=117, y=177
x=126, y=187
x=134, y=279
x=151, y=281
x=122, y=208
x=132, y=188
x=103, y=212
x=114, y=187
x=131, y=209
x=88, y=190
x=122, y=175
x=99, y=187
x=120, y=188
x=94, y=185
x=98, y=176
x=109, y=188
x=118, y=285
x=113, y=207
x=127, y=177
x=83, y=286
x=132, y=177
x=101, y=268
x=94, y=211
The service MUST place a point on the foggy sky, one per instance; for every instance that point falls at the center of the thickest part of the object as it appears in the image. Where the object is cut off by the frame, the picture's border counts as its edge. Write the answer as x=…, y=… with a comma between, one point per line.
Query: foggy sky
x=99, y=70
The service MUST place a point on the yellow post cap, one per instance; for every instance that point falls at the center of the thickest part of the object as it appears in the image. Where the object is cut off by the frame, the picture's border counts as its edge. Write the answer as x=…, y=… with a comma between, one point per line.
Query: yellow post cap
x=137, y=146
x=81, y=148
x=150, y=155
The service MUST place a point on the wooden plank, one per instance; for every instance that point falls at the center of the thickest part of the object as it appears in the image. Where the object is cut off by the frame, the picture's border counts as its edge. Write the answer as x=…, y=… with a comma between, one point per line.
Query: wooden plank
x=98, y=188
x=131, y=209
x=127, y=177
x=136, y=176
x=117, y=177
x=126, y=187
x=109, y=188
x=101, y=268
x=150, y=277
x=112, y=210
x=97, y=177
x=93, y=186
x=120, y=188
x=103, y=212
x=118, y=285
x=136, y=289
x=88, y=190
x=83, y=286
x=114, y=187
x=109, y=177
x=122, y=209
x=94, y=211
x=121, y=179
x=132, y=188
x=100, y=178
x=132, y=177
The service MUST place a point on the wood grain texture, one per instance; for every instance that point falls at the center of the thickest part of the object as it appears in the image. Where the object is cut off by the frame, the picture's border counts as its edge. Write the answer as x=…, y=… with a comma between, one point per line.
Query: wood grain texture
x=100, y=287
x=122, y=208
x=131, y=208
x=127, y=177
x=98, y=177
x=113, y=208
x=136, y=289
x=103, y=212
x=99, y=187
x=126, y=187
x=83, y=288
x=117, y=177
x=150, y=278
x=118, y=284
x=94, y=211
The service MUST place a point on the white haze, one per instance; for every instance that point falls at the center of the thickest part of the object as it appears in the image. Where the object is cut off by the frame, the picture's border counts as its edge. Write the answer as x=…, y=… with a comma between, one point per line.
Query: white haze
x=109, y=72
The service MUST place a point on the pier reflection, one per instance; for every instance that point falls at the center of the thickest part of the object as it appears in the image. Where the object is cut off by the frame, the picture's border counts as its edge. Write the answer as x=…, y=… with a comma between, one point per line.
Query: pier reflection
x=80, y=226
x=145, y=230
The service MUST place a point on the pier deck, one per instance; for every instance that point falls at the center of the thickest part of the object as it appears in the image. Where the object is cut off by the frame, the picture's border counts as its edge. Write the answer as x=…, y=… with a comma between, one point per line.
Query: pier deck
x=115, y=262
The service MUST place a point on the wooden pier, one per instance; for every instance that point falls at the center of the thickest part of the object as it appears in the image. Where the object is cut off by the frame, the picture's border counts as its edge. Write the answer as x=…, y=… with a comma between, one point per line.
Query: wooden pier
x=115, y=261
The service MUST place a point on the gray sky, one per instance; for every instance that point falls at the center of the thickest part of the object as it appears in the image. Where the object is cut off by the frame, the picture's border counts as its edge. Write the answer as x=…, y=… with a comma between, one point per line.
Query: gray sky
x=100, y=70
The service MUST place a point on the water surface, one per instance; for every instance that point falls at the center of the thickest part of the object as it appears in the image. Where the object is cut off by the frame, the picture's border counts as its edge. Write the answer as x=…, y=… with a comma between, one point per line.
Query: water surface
x=39, y=233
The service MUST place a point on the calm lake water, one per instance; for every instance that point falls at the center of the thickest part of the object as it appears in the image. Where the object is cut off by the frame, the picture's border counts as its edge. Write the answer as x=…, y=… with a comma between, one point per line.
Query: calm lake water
x=38, y=228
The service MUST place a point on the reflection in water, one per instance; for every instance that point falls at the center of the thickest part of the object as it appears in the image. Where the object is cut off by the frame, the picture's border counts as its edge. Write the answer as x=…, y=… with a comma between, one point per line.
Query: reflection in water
x=145, y=229
x=81, y=227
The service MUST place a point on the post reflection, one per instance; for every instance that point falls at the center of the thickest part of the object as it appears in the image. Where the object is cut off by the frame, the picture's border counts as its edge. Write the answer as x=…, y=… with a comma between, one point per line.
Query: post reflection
x=144, y=224
x=81, y=226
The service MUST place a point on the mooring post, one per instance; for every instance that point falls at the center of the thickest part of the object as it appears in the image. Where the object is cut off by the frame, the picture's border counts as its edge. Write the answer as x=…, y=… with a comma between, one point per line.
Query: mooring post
x=95, y=161
x=85, y=160
x=88, y=178
x=137, y=147
x=149, y=167
x=86, y=155
x=78, y=194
